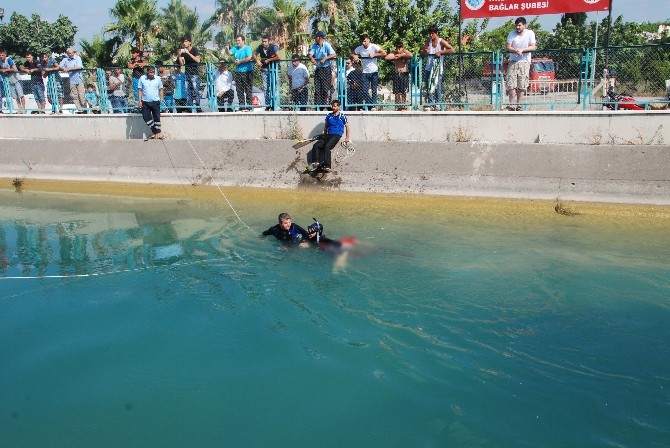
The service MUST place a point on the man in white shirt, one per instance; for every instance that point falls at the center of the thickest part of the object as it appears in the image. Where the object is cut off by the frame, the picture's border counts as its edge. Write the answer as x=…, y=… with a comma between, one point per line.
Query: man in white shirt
x=73, y=66
x=118, y=98
x=520, y=43
x=298, y=76
x=224, y=88
x=368, y=53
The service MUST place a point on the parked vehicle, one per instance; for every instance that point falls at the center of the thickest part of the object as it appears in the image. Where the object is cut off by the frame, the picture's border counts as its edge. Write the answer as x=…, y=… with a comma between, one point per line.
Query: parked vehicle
x=613, y=101
x=542, y=74
x=620, y=102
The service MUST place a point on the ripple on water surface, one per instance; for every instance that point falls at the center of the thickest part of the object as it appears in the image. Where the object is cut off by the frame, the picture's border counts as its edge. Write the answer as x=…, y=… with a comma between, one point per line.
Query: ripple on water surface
x=455, y=322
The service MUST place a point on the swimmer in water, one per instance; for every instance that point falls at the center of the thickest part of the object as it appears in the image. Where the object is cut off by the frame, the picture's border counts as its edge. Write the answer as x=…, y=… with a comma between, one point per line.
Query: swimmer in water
x=288, y=232
x=338, y=247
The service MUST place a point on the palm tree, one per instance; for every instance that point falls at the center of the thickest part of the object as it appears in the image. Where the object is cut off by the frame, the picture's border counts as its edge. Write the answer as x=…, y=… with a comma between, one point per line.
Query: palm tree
x=326, y=14
x=235, y=16
x=134, y=20
x=99, y=52
x=175, y=22
x=287, y=24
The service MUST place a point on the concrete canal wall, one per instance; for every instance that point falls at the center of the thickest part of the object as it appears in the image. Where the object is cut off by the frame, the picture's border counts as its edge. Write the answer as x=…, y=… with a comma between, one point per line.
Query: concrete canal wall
x=585, y=156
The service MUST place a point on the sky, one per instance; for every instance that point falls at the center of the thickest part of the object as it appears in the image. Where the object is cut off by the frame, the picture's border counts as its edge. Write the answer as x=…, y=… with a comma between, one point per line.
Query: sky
x=90, y=16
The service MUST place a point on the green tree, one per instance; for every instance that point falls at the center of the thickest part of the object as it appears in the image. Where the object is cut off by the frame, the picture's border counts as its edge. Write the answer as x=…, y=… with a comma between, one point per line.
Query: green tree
x=235, y=17
x=577, y=18
x=99, y=52
x=176, y=21
x=286, y=23
x=328, y=16
x=571, y=35
x=36, y=35
x=135, y=20
x=389, y=20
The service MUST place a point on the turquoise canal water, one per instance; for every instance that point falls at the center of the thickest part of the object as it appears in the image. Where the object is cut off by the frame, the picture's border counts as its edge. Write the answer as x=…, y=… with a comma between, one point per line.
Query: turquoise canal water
x=170, y=323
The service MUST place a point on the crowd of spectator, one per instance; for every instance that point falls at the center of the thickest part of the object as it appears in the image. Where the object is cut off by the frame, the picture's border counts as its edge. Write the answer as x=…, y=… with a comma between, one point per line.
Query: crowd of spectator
x=57, y=80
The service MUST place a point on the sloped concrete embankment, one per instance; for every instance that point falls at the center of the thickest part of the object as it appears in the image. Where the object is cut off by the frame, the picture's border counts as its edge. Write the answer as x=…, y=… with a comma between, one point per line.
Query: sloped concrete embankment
x=624, y=173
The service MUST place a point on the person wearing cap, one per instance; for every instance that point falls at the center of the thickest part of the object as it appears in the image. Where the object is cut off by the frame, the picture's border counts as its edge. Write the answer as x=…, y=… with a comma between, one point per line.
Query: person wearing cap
x=149, y=99
x=520, y=43
x=298, y=76
x=367, y=53
x=189, y=57
x=321, y=55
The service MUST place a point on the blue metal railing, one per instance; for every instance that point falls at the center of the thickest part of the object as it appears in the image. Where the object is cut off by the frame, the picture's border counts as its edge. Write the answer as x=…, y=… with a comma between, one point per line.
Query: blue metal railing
x=573, y=79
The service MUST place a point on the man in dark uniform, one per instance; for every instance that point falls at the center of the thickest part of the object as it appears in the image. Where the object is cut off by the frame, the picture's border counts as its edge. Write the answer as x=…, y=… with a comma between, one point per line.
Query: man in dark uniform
x=287, y=232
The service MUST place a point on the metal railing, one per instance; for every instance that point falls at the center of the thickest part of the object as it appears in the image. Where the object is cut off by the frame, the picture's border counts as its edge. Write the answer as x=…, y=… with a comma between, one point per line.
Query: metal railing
x=568, y=79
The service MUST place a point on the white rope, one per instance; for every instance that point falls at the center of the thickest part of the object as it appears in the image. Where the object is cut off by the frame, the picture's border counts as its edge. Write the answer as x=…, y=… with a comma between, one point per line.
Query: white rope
x=349, y=146
x=209, y=173
x=102, y=274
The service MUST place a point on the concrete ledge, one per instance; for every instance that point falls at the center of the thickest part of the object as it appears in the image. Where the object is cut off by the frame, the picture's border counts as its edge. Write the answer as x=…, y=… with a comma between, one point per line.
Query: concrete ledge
x=623, y=174
x=579, y=128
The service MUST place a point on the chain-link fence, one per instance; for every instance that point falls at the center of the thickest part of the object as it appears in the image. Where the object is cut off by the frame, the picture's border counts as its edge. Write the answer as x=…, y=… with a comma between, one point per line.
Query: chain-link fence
x=636, y=77
x=626, y=76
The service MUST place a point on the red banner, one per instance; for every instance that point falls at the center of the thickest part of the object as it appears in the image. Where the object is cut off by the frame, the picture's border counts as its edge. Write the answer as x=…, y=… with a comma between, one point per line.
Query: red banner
x=473, y=9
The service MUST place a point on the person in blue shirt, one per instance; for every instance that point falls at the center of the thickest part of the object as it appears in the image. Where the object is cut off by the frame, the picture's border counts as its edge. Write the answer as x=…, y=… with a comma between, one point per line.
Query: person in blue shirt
x=50, y=70
x=180, y=94
x=92, y=99
x=336, y=124
x=244, y=74
x=149, y=99
x=321, y=54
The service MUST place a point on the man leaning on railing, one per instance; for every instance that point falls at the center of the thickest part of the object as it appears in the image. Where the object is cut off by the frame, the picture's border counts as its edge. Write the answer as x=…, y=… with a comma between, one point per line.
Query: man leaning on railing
x=321, y=55
x=33, y=67
x=266, y=56
x=189, y=57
